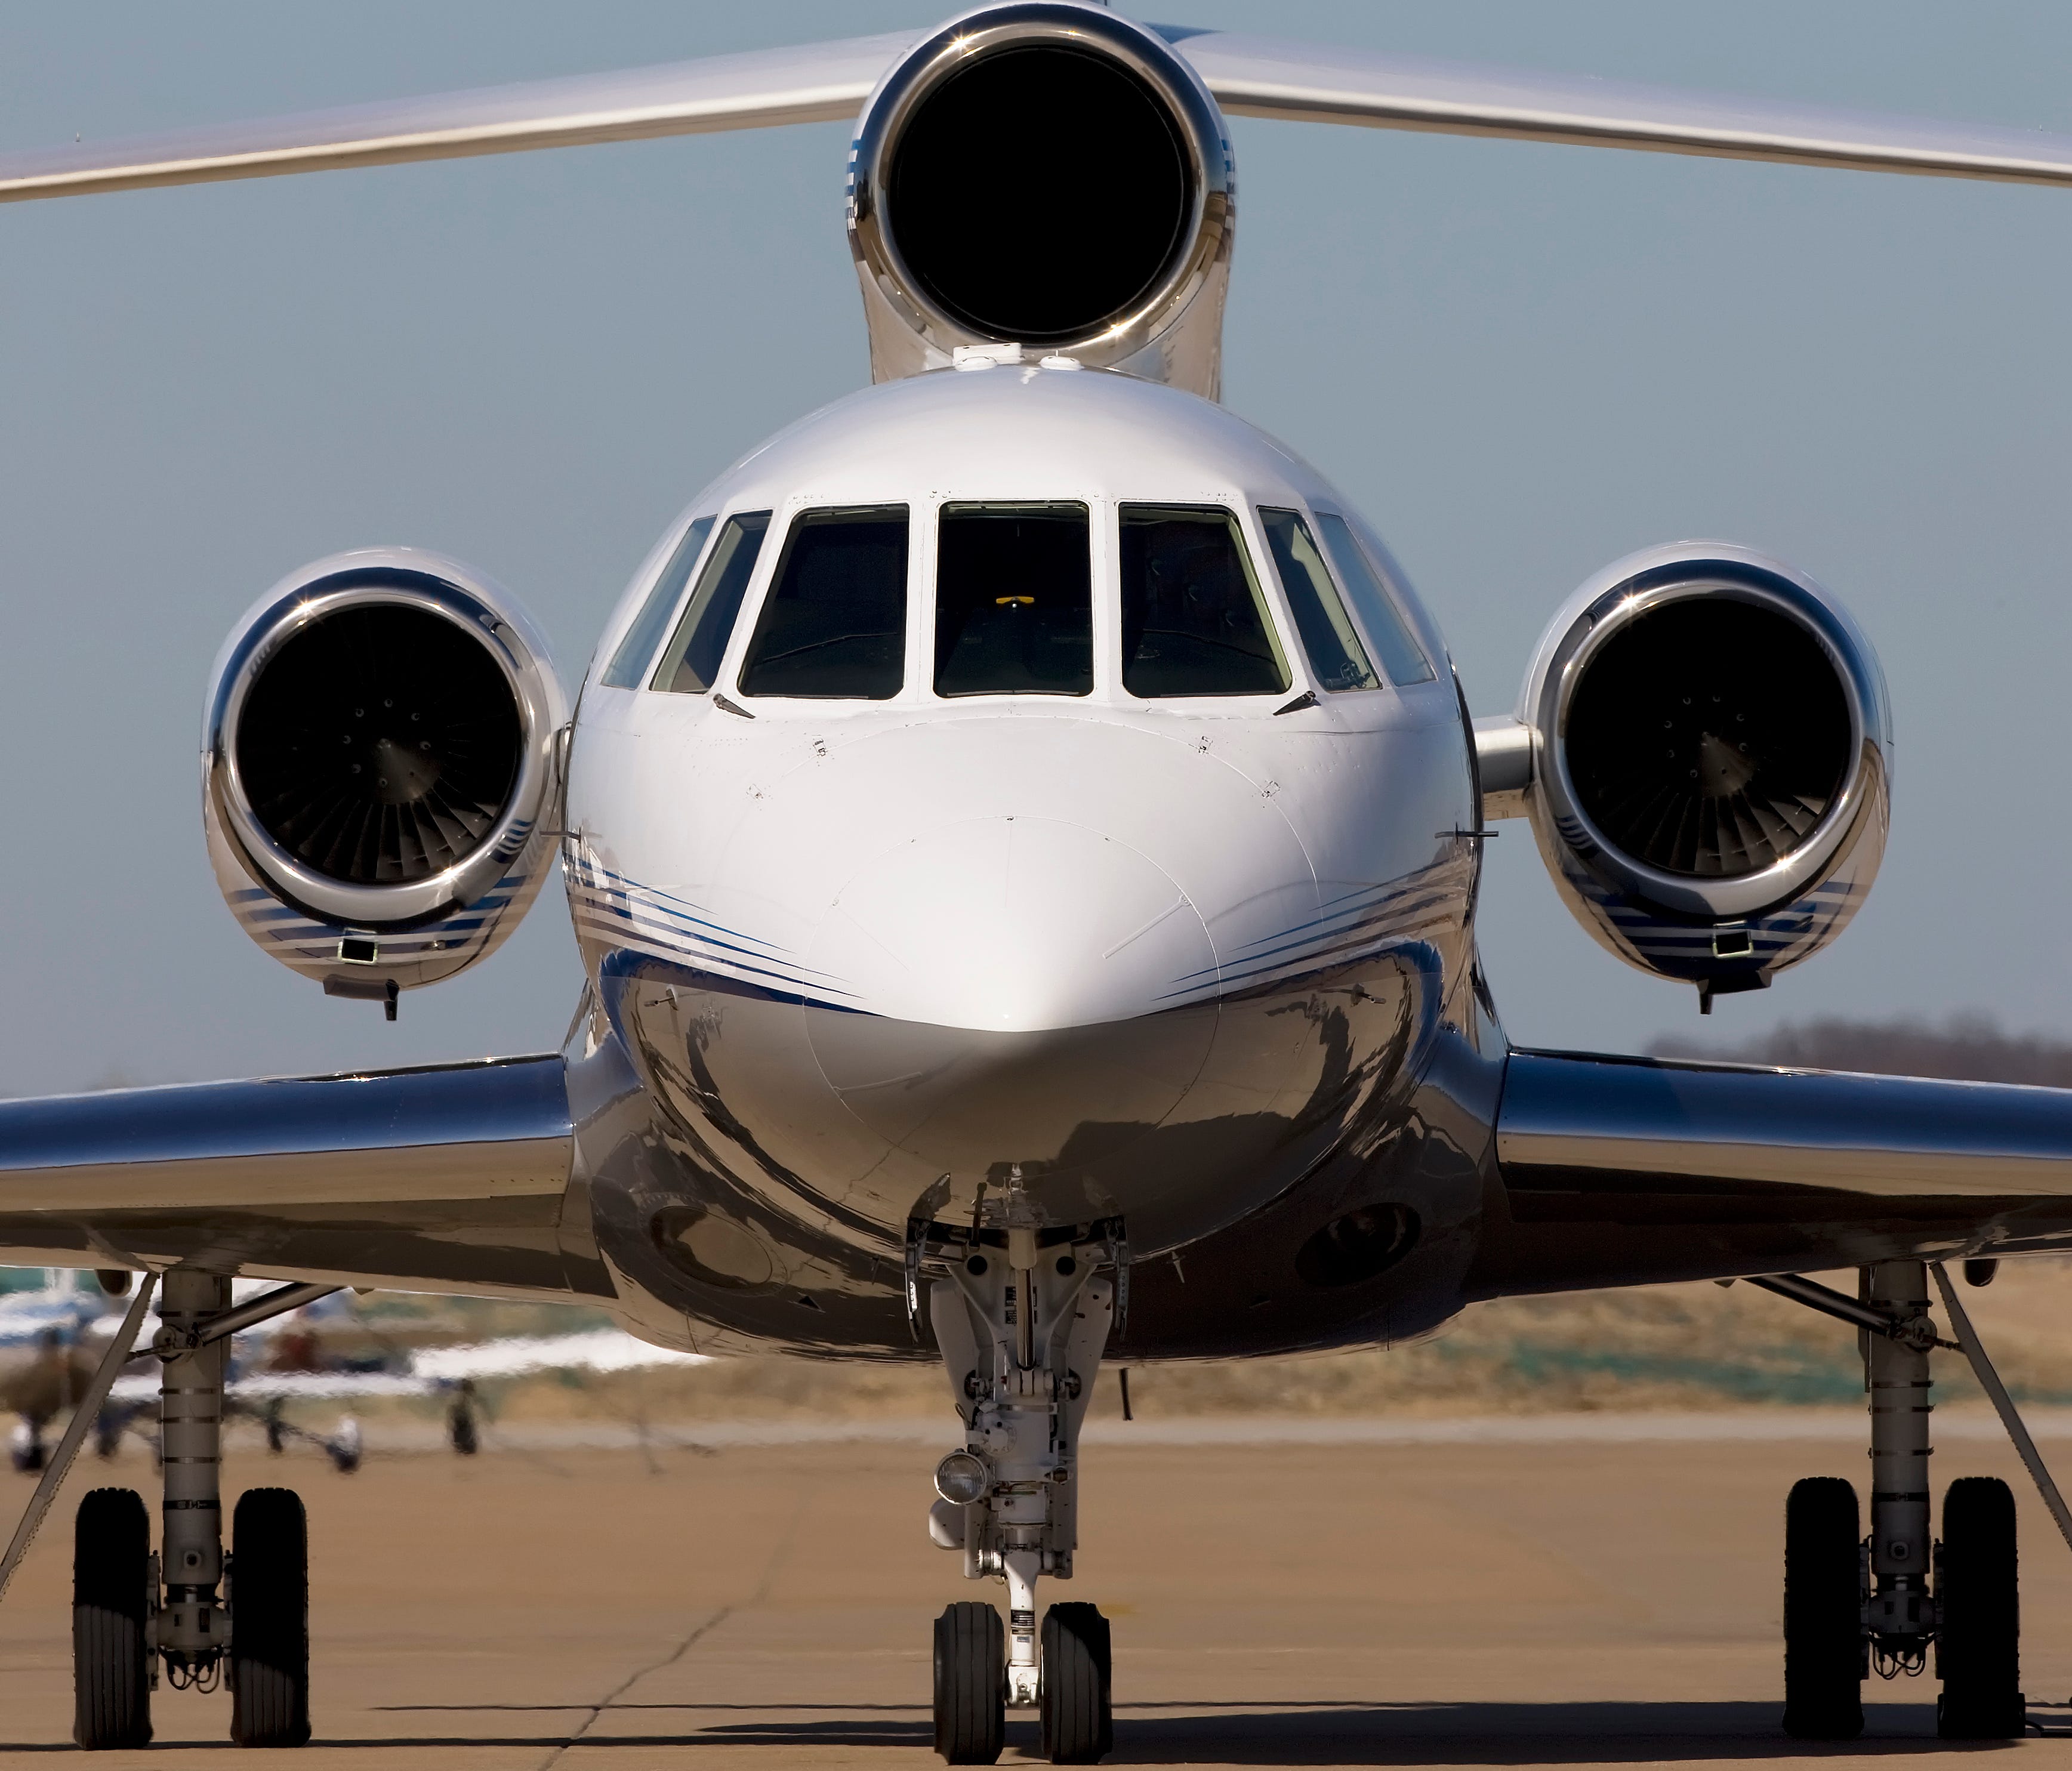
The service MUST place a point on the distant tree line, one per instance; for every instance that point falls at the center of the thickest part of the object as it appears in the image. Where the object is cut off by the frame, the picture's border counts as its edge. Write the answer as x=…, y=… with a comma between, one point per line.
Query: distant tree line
x=1968, y=1047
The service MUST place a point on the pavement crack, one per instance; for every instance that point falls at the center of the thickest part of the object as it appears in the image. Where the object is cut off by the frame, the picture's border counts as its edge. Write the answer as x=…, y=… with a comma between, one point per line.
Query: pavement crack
x=634, y=1678
x=780, y=1553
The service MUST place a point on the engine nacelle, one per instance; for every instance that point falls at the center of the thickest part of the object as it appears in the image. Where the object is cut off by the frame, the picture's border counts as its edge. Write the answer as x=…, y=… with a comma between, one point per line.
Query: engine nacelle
x=1048, y=175
x=380, y=770
x=1704, y=745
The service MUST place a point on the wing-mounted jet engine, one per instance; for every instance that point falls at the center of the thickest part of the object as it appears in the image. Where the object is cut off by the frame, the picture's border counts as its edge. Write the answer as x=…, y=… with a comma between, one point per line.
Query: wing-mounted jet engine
x=1704, y=746
x=1046, y=177
x=380, y=770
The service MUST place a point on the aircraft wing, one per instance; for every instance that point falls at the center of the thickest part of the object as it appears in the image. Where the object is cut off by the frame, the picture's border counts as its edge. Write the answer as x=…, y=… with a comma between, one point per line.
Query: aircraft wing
x=1250, y=76
x=445, y=1178
x=1634, y=1170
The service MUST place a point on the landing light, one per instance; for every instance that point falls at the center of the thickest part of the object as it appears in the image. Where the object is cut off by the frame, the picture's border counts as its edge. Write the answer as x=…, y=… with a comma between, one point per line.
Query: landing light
x=963, y=1478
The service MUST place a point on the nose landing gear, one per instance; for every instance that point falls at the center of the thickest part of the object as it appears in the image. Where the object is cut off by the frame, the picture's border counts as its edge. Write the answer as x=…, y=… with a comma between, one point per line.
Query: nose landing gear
x=1021, y=1318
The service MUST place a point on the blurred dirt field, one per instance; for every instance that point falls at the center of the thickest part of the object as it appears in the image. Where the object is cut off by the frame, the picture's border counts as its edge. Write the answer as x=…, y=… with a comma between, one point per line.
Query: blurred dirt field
x=1693, y=1347
x=1563, y=1604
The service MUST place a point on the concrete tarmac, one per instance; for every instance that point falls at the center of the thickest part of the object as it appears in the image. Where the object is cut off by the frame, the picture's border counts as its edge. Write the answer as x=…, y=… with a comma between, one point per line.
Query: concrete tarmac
x=1562, y=1603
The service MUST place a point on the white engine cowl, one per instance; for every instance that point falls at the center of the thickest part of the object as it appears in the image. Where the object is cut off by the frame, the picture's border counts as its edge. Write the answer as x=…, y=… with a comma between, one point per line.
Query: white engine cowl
x=1704, y=745
x=1048, y=177
x=380, y=770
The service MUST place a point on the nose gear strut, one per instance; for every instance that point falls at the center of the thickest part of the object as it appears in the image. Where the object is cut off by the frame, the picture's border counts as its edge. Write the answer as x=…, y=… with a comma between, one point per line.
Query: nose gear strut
x=1022, y=1314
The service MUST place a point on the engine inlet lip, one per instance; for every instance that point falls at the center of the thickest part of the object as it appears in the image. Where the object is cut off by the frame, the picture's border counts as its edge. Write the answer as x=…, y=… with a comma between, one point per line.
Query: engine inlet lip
x=429, y=586
x=1710, y=898
x=915, y=77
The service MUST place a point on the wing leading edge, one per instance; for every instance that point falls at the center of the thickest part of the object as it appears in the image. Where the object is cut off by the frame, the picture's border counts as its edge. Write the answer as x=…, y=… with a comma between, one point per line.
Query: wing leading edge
x=1631, y=1171
x=451, y=1177
x=1250, y=76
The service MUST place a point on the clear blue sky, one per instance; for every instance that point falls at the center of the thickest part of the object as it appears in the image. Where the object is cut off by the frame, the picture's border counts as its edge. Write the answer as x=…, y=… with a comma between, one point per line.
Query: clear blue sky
x=1522, y=361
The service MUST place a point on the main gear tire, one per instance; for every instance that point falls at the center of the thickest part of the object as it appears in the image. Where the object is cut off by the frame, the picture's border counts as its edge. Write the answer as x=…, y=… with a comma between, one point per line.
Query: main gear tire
x=1075, y=1701
x=1978, y=1634
x=111, y=1602
x=270, y=1619
x=1823, y=1632
x=971, y=1684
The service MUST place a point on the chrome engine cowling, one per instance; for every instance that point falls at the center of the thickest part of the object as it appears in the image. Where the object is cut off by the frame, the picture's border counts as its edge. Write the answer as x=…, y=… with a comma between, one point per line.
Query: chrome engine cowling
x=380, y=770
x=1046, y=175
x=1711, y=763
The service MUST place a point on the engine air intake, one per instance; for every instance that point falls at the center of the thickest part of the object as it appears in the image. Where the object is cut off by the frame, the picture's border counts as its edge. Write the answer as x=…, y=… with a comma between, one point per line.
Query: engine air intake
x=1039, y=193
x=380, y=766
x=1709, y=737
x=1045, y=174
x=1711, y=762
x=379, y=745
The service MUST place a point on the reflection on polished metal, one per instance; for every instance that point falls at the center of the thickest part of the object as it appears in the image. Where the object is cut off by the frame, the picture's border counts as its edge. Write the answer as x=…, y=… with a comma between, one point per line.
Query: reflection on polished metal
x=1628, y=1122
x=192, y=1626
x=491, y=1130
x=1901, y=1616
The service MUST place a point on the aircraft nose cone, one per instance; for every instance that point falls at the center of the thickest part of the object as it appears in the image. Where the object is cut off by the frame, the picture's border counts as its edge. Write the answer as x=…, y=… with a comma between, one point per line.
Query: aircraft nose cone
x=1014, y=925
x=1014, y=972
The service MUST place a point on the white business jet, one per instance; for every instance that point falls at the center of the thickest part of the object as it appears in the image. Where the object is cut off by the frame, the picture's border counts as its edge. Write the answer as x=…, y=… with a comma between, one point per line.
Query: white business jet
x=1022, y=831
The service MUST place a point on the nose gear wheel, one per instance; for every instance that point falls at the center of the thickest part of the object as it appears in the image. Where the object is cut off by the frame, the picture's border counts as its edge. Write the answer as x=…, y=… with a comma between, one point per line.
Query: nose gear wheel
x=1075, y=1708
x=971, y=1684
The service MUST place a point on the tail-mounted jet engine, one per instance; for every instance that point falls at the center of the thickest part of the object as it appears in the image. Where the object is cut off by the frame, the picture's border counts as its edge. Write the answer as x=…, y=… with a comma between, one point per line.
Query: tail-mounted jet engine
x=1047, y=178
x=380, y=768
x=1704, y=746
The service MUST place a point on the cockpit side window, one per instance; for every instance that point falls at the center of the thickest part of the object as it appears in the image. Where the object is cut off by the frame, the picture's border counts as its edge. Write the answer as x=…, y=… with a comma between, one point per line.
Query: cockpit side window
x=629, y=663
x=833, y=625
x=1193, y=620
x=1401, y=656
x=691, y=664
x=1332, y=643
x=1014, y=600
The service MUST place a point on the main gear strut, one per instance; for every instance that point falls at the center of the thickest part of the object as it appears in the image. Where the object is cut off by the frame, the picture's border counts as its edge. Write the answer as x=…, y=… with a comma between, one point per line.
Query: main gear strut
x=1853, y=1603
x=241, y=1618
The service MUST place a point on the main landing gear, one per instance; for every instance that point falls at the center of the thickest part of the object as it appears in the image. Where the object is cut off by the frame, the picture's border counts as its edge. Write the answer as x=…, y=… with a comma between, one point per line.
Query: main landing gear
x=1852, y=1603
x=1021, y=1318
x=241, y=1619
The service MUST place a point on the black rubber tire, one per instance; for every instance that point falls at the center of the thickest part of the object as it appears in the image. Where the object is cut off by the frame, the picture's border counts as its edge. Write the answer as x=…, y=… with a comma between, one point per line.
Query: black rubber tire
x=1824, y=1631
x=971, y=1684
x=1978, y=1637
x=270, y=1619
x=1075, y=1703
x=111, y=1666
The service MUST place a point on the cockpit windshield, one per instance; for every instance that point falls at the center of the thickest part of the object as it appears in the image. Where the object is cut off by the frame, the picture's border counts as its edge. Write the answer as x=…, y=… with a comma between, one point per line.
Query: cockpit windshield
x=833, y=625
x=629, y=663
x=1193, y=620
x=1401, y=656
x=691, y=664
x=1337, y=658
x=1013, y=600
